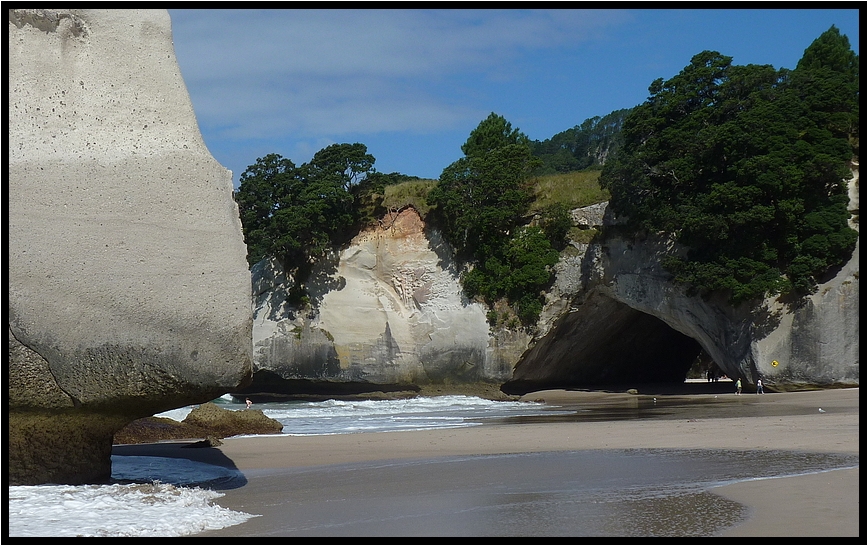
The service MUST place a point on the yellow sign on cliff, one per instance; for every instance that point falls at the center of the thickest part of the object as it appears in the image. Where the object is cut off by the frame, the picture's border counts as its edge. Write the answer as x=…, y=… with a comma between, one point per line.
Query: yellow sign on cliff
x=774, y=363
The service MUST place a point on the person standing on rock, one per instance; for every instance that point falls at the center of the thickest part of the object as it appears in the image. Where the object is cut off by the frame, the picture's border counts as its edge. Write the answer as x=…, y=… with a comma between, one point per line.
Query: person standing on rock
x=738, y=386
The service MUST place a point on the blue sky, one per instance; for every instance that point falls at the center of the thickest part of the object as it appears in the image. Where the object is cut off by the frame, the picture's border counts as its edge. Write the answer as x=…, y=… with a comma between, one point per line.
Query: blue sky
x=412, y=84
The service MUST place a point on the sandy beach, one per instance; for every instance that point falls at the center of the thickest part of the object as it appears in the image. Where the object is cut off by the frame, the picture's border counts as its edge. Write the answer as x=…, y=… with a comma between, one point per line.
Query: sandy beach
x=824, y=504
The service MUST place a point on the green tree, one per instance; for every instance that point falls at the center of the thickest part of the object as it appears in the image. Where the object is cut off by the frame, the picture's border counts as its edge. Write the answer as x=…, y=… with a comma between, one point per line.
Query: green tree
x=262, y=188
x=343, y=165
x=481, y=201
x=484, y=195
x=492, y=133
x=295, y=214
x=745, y=165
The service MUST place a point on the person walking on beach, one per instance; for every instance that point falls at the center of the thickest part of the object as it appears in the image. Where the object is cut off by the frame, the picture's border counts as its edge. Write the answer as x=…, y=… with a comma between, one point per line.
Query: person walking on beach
x=738, y=386
x=759, y=386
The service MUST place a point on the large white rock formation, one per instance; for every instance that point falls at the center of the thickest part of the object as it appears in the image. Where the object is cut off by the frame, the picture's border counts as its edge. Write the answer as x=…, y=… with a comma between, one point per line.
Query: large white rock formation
x=390, y=313
x=129, y=292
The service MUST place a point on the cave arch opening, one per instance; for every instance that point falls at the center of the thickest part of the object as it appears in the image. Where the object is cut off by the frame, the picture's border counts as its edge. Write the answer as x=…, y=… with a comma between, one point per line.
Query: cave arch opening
x=605, y=344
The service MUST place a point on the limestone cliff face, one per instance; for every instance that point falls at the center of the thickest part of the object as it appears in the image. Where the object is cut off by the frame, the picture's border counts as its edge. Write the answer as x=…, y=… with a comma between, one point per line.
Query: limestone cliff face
x=128, y=288
x=817, y=343
x=389, y=312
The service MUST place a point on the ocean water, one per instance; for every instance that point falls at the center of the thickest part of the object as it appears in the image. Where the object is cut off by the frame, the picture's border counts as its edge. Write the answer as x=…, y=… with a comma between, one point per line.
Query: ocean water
x=155, y=496
x=421, y=413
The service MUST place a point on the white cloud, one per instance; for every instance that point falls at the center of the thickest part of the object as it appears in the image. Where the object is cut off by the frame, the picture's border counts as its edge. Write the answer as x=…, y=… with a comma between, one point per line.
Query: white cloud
x=323, y=73
x=322, y=106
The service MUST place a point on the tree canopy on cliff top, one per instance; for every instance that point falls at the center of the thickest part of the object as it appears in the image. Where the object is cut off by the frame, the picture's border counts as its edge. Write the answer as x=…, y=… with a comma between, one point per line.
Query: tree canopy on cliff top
x=294, y=213
x=746, y=166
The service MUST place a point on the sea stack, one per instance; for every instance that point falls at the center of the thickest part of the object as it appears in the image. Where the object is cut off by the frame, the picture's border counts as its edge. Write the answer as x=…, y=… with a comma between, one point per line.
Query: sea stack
x=129, y=292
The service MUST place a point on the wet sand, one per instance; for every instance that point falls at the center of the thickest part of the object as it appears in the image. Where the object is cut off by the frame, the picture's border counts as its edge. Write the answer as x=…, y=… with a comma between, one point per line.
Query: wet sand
x=823, y=504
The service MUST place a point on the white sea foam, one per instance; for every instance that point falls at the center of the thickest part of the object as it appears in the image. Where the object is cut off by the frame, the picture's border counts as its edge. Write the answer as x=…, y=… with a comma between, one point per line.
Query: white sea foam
x=159, y=508
x=115, y=511
x=421, y=413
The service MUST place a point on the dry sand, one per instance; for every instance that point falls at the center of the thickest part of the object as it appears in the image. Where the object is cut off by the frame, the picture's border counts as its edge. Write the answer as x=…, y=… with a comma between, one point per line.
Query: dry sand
x=822, y=505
